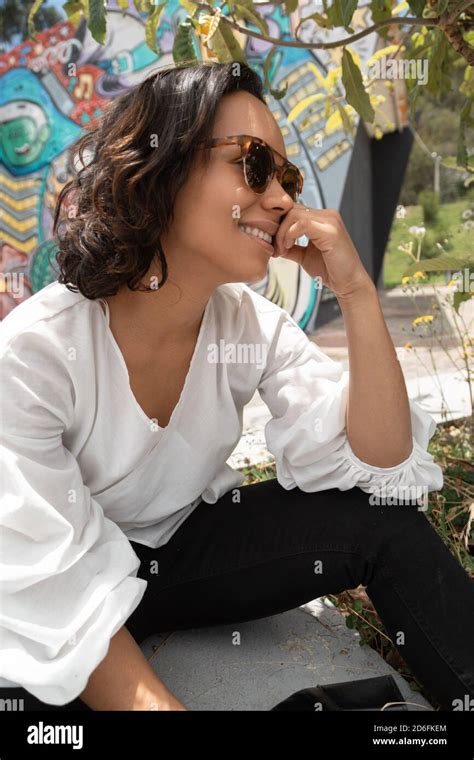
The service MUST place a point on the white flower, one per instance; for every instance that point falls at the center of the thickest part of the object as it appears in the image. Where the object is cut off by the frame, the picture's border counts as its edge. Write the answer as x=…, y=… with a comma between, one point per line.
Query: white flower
x=418, y=232
x=466, y=214
x=401, y=212
x=468, y=225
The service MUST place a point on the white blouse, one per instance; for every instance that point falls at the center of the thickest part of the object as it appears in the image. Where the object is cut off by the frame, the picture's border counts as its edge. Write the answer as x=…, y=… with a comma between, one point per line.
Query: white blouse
x=84, y=469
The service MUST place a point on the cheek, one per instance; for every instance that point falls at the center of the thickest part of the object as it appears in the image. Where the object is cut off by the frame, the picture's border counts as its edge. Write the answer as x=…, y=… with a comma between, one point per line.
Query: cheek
x=209, y=209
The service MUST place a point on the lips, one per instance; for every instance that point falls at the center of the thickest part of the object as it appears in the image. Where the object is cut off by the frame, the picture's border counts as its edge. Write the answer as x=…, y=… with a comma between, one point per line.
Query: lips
x=268, y=247
x=261, y=224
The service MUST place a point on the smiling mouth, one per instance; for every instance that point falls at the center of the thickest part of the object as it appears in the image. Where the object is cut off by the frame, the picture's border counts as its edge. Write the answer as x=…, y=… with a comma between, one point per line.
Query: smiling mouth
x=262, y=238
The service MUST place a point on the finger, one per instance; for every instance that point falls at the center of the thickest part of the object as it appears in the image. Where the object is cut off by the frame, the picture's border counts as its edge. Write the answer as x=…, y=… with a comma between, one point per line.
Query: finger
x=311, y=228
x=303, y=218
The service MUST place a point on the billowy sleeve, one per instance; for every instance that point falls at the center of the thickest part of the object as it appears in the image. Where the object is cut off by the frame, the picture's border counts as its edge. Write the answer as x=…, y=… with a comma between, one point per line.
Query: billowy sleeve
x=307, y=393
x=67, y=573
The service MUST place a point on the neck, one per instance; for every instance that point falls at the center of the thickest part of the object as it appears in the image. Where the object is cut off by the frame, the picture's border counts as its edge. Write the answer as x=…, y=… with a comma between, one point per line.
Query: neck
x=171, y=315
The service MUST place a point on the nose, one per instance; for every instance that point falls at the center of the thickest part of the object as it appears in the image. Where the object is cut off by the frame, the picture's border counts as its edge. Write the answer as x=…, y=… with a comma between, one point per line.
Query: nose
x=275, y=197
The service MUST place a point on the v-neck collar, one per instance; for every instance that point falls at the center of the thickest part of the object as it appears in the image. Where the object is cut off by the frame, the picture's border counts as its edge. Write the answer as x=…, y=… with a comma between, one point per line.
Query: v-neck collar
x=151, y=424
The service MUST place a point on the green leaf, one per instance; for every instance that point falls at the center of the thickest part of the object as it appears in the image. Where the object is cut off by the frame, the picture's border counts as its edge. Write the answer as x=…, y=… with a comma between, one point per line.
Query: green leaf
x=460, y=297
x=340, y=14
x=380, y=10
x=143, y=6
x=244, y=12
x=72, y=7
x=96, y=19
x=442, y=6
x=416, y=52
x=190, y=7
x=183, y=46
x=225, y=46
x=414, y=92
x=290, y=6
x=31, y=21
x=321, y=20
x=444, y=263
x=450, y=162
x=346, y=122
x=429, y=12
x=151, y=27
x=247, y=3
x=356, y=95
x=464, y=122
x=277, y=94
x=438, y=65
x=416, y=6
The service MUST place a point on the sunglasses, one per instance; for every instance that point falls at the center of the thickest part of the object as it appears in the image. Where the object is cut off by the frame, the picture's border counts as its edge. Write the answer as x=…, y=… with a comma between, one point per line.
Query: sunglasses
x=259, y=164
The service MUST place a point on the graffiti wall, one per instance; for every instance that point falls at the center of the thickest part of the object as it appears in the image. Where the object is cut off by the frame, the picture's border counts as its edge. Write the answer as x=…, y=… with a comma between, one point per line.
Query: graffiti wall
x=44, y=108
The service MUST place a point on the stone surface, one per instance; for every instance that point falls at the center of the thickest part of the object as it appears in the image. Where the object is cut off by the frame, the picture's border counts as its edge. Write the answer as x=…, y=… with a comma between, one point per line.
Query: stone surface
x=276, y=656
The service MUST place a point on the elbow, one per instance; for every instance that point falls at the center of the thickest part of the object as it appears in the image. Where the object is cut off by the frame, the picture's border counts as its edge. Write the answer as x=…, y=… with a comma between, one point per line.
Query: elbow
x=398, y=458
x=386, y=458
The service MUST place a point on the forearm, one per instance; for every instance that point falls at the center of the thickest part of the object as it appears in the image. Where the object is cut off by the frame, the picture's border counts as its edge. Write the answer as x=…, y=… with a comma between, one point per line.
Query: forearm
x=124, y=680
x=378, y=419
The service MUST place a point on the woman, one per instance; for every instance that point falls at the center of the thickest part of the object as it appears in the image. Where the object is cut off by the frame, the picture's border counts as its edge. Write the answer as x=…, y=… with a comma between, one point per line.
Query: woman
x=122, y=517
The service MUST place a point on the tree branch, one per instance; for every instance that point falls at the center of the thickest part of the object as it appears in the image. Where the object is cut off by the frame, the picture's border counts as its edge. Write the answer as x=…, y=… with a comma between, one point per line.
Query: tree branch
x=321, y=45
x=452, y=30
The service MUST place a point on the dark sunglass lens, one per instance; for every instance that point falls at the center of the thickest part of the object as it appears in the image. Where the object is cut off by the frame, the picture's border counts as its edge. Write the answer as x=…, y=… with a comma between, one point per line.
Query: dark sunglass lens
x=290, y=183
x=259, y=167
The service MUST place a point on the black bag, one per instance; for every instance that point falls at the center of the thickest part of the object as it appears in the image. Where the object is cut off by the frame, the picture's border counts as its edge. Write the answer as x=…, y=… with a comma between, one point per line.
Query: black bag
x=365, y=694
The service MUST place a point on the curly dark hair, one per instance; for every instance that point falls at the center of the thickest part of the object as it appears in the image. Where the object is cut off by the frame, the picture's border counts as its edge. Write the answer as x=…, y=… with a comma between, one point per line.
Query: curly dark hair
x=124, y=187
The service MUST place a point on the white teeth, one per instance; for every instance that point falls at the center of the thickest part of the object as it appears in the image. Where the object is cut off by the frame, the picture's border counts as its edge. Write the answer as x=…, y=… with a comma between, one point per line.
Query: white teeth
x=256, y=232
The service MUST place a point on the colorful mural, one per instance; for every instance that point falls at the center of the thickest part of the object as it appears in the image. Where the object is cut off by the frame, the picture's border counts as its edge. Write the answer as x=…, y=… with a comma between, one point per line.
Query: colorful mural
x=53, y=87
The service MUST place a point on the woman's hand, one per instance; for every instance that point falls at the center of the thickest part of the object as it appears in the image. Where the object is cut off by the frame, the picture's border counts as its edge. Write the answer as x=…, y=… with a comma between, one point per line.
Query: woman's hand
x=330, y=253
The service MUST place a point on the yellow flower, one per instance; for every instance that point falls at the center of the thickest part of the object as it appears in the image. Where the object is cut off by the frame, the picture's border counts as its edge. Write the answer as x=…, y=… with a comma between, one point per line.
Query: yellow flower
x=419, y=275
x=405, y=280
x=451, y=283
x=408, y=346
x=425, y=319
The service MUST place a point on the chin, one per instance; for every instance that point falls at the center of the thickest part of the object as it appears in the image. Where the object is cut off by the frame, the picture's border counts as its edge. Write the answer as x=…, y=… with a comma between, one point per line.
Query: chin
x=252, y=273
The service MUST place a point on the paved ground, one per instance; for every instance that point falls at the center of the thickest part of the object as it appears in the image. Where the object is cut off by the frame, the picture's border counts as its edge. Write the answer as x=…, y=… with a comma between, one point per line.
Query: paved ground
x=255, y=665
x=399, y=309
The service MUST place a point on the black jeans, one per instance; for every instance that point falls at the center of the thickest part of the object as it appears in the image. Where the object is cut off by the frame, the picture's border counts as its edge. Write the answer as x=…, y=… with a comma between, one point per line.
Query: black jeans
x=238, y=560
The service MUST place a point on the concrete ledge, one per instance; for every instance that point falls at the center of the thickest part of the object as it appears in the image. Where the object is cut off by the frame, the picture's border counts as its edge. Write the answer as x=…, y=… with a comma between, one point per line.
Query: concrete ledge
x=256, y=664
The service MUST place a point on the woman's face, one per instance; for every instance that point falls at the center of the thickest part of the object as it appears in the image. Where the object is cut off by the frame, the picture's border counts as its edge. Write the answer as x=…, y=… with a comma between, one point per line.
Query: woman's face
x=205, y=239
